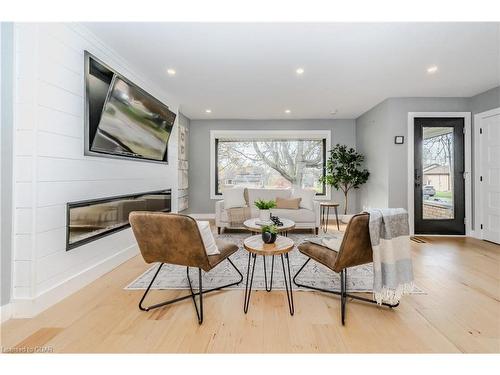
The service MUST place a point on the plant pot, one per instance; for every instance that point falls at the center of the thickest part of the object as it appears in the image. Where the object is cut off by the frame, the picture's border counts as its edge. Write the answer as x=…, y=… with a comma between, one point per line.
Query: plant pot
x=268, y=237
x=264, y=215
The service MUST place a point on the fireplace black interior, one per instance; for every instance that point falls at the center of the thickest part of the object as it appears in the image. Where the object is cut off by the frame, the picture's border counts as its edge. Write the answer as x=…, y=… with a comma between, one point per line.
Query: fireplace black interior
x=92, y=219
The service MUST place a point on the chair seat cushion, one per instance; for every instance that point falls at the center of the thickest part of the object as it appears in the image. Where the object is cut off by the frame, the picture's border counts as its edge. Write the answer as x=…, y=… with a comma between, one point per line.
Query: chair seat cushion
x=320, y=254
x=225, y=248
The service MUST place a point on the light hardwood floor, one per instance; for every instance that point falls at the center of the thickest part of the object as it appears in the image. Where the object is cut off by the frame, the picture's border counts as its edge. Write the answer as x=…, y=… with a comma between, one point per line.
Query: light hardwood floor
x=460, y=312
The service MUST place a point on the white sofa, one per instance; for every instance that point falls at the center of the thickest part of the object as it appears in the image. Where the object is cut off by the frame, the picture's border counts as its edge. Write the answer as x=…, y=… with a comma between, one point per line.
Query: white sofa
x=303, y=218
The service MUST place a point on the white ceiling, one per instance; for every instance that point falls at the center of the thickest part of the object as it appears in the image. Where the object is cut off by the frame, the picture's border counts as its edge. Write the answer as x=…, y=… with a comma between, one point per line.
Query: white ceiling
x=247, y=70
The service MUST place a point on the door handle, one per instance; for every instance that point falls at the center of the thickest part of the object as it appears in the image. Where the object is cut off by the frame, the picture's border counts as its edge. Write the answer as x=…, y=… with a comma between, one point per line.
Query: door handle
x=418, y=182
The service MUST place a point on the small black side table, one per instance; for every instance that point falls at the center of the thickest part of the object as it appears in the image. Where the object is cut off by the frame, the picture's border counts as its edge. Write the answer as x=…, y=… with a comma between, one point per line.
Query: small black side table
x=325, y=209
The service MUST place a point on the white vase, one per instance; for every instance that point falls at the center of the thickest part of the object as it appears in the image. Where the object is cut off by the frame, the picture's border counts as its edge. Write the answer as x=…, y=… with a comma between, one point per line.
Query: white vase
x=264, y=215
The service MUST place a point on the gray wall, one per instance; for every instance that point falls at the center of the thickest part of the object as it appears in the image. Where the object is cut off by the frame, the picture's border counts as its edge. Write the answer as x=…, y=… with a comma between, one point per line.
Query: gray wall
x=390, y=118
x=485, y=101
x=343, y=131
x=372, y=139
x=6, y=76
x=398, y=125
x=375, y=131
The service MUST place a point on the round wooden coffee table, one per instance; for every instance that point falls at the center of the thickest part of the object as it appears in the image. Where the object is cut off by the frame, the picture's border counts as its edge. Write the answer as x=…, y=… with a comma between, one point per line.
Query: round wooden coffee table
x=325, y=209
x=251, y=224
x=255, y=246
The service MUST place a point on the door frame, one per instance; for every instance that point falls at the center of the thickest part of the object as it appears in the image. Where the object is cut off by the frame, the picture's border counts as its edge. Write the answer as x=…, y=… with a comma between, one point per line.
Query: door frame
x=467, y=164
x=478, y=202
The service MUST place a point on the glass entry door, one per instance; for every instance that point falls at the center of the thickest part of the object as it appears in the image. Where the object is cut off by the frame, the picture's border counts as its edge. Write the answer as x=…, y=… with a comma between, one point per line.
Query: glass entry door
x=439, y=176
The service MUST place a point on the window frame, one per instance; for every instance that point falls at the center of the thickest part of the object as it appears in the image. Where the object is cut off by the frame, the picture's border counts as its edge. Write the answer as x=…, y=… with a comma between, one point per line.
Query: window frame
x=216, y=135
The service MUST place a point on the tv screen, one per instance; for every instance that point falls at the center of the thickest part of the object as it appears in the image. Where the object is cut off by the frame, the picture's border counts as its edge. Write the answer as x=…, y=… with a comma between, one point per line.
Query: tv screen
x=124, y=119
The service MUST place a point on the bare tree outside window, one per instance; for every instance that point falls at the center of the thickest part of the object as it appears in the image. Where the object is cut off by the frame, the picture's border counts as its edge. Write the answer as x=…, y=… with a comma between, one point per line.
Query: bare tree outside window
x=270, y=163
x=438, y=172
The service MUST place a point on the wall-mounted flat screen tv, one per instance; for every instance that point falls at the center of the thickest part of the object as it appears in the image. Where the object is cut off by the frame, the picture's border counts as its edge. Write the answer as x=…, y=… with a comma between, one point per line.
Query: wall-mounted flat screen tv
x=122, y=119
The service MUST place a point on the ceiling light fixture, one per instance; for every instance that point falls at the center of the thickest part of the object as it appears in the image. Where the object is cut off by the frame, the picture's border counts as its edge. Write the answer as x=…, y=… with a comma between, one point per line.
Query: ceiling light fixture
x=299, y=71
x=171, y=72
x=334, y=112
x=208, y=111
x=432, y=69
x=287, y=111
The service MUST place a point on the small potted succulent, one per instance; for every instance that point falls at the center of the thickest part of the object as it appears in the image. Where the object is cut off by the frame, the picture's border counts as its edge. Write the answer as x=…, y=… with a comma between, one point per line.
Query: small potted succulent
x=264, y=207
x=269, y=233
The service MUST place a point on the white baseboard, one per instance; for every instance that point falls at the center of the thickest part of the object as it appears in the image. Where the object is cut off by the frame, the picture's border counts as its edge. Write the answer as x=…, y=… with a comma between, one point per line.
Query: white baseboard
x=5, y=312
x=475, y=234
x=202, y=216
x=28, y=308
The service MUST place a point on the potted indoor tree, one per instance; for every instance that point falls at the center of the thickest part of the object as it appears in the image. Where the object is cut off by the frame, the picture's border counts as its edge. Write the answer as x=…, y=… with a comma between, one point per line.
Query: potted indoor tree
x=344, y=172
x=264, y=207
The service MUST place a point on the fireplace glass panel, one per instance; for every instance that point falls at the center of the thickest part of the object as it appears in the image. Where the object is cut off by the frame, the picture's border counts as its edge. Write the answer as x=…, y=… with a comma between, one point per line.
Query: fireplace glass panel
x=90, y=220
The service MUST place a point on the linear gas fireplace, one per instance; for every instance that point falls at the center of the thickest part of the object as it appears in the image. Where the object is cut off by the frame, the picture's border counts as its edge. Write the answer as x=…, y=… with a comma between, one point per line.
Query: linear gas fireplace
x=92, y=219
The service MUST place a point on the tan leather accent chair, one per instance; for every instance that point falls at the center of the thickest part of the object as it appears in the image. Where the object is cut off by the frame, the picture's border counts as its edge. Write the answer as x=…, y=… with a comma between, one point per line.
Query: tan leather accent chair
x=355, y=249
x=175, y=239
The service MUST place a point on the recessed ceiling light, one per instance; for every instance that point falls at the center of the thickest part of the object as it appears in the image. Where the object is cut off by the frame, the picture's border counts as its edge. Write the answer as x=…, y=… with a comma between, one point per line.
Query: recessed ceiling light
x=287, y=111
x=299, y=71
x=334, y=112
x=208, y=111
x=171, y=72
x=432, y=69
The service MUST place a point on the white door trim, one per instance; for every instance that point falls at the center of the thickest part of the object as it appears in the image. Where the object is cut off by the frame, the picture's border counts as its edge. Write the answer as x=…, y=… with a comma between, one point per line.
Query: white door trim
x=467, y=159
x=478, y=208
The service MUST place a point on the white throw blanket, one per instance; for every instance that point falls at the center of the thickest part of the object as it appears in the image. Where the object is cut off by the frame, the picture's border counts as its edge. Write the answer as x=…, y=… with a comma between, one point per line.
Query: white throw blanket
x=392, y=264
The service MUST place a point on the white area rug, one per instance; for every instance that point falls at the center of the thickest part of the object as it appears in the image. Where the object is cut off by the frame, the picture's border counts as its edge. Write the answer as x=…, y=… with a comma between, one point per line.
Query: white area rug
x=360, y=278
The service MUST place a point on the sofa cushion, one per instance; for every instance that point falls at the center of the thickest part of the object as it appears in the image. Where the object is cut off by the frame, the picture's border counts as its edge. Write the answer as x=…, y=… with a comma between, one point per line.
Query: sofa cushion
x=301, y=215
x=266, y=194
x=307, y=197
x=291, y=204
x=234, y=197
x=208, y=238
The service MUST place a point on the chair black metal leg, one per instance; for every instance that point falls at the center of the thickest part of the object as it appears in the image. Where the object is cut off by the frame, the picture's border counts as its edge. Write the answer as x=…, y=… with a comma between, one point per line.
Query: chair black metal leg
x=343, y=281
x=147, y=290
x=192, y=295
x=288, y=284
x=199, y=313
x=265, y=273
x=343, y=298
x=299, y=271
x=248, y=290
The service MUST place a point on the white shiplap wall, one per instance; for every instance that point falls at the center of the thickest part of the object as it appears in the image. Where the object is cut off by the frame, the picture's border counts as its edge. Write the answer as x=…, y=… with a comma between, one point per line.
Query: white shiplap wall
x=50, y=167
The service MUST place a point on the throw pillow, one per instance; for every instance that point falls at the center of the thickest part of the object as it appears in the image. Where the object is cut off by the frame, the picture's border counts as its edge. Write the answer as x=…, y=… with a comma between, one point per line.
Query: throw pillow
x=290, y=204
x=208, y=238
x=234, y=197
x=307, y=198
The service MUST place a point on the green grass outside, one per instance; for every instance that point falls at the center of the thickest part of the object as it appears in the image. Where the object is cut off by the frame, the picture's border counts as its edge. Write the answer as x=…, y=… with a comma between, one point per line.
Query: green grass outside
x=443, y=194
